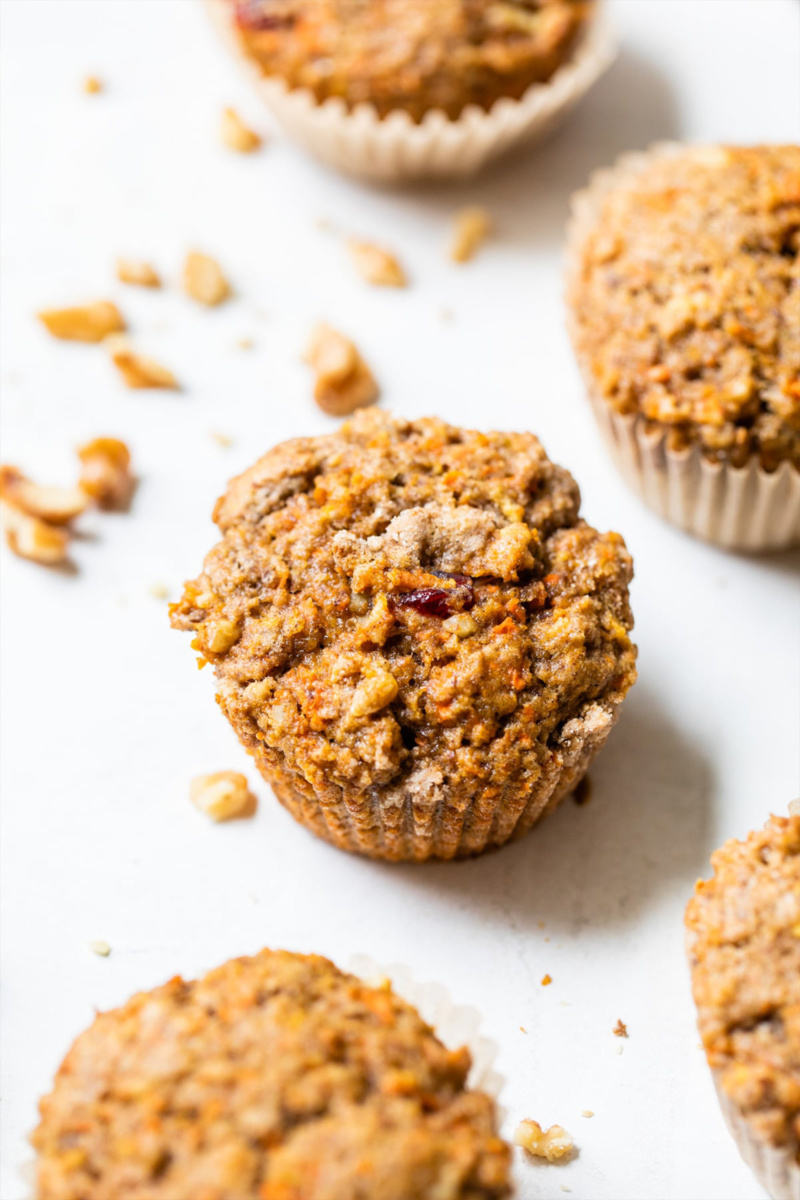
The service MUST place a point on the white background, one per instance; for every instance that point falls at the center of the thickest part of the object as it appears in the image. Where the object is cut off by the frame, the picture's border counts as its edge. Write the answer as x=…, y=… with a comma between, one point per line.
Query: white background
x=105, y=716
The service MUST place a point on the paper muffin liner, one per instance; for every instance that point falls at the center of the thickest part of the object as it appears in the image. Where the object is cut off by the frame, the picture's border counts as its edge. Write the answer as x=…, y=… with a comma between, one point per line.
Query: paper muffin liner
x=359, y=142
x=738, y=508
x=775, y=1167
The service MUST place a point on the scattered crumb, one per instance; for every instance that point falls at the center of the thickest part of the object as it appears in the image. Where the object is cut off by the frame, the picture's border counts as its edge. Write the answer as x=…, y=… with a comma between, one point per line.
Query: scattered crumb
x=343, y=381
x=34, y=539
x=445, y=314
x=137, y=370
x=244, y=343
x=204, y=280
x=223, y=795
x=564, y=1187
x=522, y=1029
x=583, y=792
x=620, y=1029
x=55, y=505
x=100, y=948
x=472, y=227
x=540, y=924
x=159, y=591
x=620, y=1048
x=137, y=272
x=105, y=472
x=325, y=225
x=83, y=323
x=92, y=85
x=222, y=439
x=546, y=980
x=554, y=1143
x=377, y=265
x=564, y=1004
x=587, y=1112
x=236, y=135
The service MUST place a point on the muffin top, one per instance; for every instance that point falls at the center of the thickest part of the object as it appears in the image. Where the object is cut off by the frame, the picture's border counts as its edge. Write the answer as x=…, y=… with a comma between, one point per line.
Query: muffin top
x=744, y=937
x=685, y=297
x=412, y=55
x=276, y=1077
x=406, y=606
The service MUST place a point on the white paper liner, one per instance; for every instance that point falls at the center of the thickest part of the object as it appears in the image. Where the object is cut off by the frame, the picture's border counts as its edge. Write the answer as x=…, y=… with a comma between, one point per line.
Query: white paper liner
x=455, y=1025
x=739, y=508
x=775, y=1167
x=359, y=142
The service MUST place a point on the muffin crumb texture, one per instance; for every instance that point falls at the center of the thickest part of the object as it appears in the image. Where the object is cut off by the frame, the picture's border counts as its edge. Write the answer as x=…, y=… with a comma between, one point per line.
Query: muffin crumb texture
x=411, y=55
x=274, y=1077
x=744, y=931
x=685, y=299
x=415, y=635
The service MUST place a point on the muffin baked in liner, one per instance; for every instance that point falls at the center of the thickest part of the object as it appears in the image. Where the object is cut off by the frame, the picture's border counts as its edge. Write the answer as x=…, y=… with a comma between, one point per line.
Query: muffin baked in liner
x=743, y=944
x=359, y=141
x=740, y=507
x=92, y=1109
x=414, y=634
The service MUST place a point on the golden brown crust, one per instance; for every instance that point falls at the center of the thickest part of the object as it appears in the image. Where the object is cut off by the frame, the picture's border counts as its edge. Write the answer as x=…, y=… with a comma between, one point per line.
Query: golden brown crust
x=276, y=1077
x=684, y=296
x=744, y=938
x=415, y=635
x=411, y=55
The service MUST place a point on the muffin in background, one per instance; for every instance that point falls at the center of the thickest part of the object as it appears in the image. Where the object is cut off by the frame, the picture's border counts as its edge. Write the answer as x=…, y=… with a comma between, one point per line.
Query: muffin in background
x=415, y=634
x=272, y=1077
x=744, y=950
x=684, y=310
x=398, y=88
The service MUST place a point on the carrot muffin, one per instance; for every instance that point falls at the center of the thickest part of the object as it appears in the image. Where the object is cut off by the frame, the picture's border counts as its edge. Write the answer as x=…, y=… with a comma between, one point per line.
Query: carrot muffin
x=744, y=946
x=276, y=1077
x=684, y=294
x=410, y=55
x=415, y=635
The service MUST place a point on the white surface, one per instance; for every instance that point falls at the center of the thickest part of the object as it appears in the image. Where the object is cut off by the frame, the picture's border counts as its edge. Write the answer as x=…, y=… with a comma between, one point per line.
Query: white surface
x=105, y=715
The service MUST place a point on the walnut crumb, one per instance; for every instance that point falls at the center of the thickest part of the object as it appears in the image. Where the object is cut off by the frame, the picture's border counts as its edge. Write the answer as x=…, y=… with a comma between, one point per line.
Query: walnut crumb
x=587, y=1112
x=92, y=85
x=472, y=227
x=222, y=439
x=222, y=795
x=100, y=947
x=554, y=1143
x=343, y=381
x=244, y=343
x=137, y=370
x=55, y=505
x=83, y=323
x=159, y=591
x=105, y=472
x=138, y=273
x=34, y=539
x=377, y=265
x=236, y=135
x=620, y=1029
x=546, y=980
x=204, y=280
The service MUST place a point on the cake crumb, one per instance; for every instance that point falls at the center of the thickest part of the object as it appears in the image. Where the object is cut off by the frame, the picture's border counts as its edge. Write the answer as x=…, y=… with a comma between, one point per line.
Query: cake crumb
x=244, y=343
x=159, y=591
x=106, y=474
x=472, y=227
x=203, y=279
x=137, y=272
x=554, y=1143
x=223, y=795
x=546, y=980
x=343, y=381
x=222, y=439
x=83, y=322
x=236, y=135
x=100, y=948
x=137, y=370
x=620, y=1030
x=92, y=85
x=522, y=1029
x=376, y=265
x=587, y=1112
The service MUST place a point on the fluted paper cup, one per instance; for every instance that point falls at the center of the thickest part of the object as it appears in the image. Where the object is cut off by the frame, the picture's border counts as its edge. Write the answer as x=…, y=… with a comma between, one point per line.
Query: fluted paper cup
x=776, y=1167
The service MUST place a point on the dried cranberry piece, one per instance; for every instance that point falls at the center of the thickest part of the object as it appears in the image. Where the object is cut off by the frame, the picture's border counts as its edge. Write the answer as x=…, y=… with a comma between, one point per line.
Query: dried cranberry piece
x=256, y=16
x=439, y=602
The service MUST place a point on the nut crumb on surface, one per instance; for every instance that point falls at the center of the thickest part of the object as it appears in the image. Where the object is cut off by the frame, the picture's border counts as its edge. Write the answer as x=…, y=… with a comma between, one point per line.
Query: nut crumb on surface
x=159, y=591
x=244, y=343
x=236, y=135
x=137, y=272
x=83, y=322
x=620, y=1029
x=554, y=1143
x=34, y=539
x=472, y=227
x=222, y=439
x=100, y=947
x=546, y=980
x=204, y=280
x=376, y=265
x=587, y=1112
x=92, y=85
x=55, y=505
x=105, y=472
x=222, y=795
x=139, y=371
x=343, y=381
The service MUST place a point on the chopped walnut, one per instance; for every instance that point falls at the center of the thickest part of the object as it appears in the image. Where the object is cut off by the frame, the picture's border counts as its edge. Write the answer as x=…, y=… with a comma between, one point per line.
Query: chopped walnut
x=377, y=266
x=57, y=506
x=139, y=371
x=472, y=226
x=344, y=382
x=620, y=1029
x=553, y=1143
x=92, y=85
x=203, y=279
x=85, y=323
x=219, y=635
x=137, y=272
x=29, y=537
x=223, y=795
x=373, y=694
x=236, y=135
x=100, y=947
x=105, y=472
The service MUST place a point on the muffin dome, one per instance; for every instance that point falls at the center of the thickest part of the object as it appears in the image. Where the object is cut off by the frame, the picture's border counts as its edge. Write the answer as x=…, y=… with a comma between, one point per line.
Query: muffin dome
x=276, y=1077
x=684, y=295
x=415, y=635
x=411, y=55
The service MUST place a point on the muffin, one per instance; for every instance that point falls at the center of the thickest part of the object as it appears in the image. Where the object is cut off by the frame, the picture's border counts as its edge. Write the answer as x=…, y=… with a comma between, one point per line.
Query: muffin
x=276, y=1077
x=683, y=297
x=413, y=59
x=414, y=633
x=744, y=949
